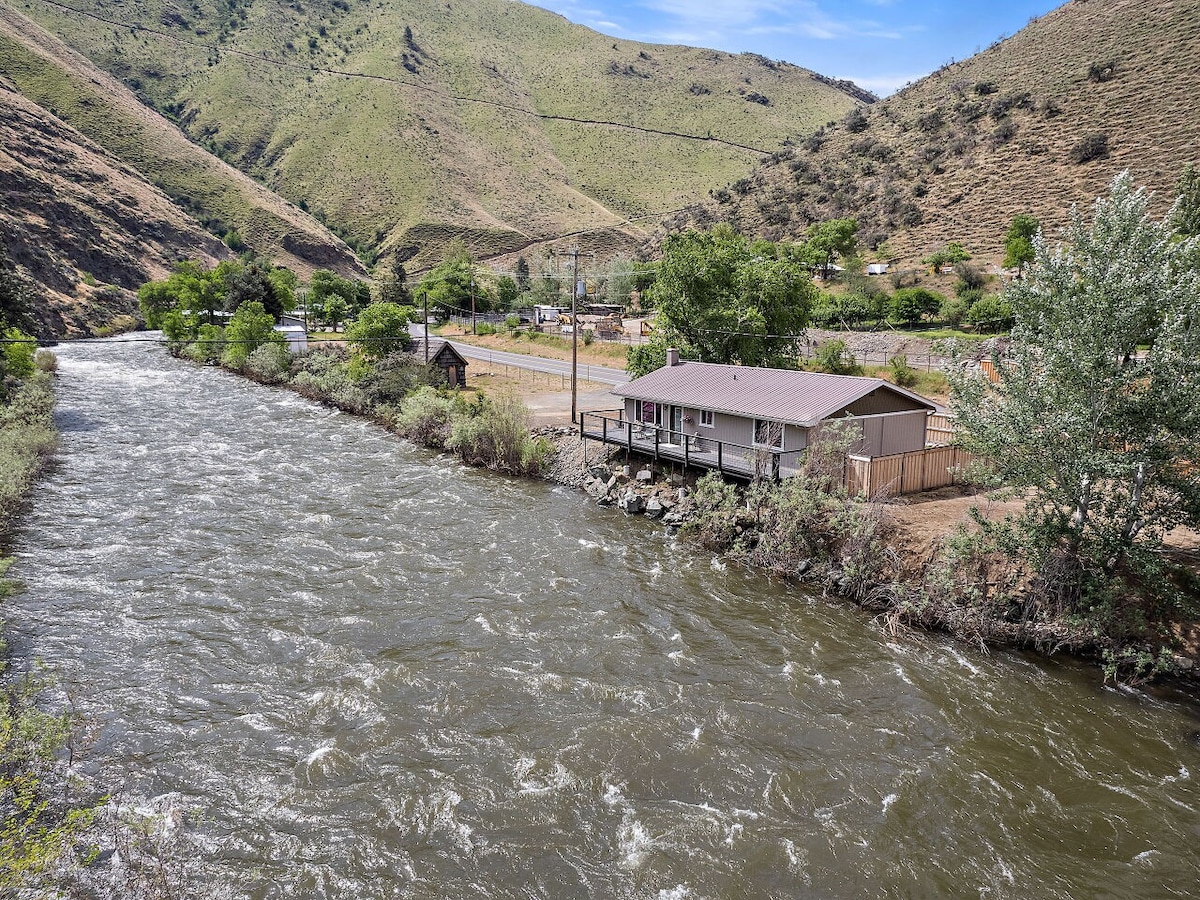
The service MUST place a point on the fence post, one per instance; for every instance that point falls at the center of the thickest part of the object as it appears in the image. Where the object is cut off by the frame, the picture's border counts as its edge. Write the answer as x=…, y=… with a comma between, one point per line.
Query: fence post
x=657, y=435
x=720, y=461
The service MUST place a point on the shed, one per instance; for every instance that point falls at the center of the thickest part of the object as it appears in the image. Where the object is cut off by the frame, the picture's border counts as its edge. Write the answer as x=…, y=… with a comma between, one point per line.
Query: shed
x=442, y=355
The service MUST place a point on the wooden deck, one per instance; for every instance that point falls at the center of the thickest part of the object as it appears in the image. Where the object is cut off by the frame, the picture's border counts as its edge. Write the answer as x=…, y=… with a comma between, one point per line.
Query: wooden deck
x=735, y=460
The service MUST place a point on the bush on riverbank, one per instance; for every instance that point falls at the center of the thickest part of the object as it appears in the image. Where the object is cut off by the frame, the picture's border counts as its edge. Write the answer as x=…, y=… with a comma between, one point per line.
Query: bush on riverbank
x=804, y=526
x=27, y=438
x=401, y=392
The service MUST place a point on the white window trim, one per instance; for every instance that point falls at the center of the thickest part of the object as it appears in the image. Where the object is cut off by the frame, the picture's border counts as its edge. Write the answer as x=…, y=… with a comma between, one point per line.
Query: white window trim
x=754, y=435
x=711, y=416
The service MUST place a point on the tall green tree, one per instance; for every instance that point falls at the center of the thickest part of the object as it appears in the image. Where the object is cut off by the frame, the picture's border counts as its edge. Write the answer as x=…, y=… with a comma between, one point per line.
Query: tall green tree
x=952, y=253
x=251, y=282
x=380, y=329
x=394, y=288
x=328, y=292
x=507, y=293
x=1094, y=418
x=250, y=328
x=827, y=241
x=450, y=283
x=1018, y=242
x=721, y=298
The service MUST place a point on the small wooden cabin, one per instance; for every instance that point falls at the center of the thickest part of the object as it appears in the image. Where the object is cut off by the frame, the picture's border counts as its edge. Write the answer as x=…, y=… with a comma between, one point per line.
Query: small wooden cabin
x=442, y=354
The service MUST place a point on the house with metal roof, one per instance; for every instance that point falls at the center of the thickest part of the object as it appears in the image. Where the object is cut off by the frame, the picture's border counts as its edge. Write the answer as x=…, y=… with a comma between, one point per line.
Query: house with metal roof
x=751, y=421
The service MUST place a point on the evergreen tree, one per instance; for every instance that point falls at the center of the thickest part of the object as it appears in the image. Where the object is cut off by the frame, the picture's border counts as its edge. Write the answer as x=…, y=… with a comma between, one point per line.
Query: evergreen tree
x=522, y=273
x=395, y=288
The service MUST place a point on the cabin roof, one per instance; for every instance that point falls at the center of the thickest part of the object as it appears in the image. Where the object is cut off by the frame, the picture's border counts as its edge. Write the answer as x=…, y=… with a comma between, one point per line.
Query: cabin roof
x=439, y=351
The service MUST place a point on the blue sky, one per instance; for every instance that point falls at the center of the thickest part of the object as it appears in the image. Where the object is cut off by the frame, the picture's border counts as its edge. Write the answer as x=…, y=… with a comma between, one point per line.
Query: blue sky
x=880, y=44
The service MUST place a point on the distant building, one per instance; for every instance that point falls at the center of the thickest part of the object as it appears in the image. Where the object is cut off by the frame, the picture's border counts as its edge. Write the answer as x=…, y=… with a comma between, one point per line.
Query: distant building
x=877, y=268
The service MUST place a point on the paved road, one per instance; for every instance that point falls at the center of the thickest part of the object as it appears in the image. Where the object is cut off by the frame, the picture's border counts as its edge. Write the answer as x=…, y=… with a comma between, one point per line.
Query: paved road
x=598, y=374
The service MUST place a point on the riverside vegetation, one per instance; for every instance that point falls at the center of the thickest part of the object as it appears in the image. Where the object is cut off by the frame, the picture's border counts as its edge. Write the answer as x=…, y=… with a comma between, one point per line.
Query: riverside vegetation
x=372, y=374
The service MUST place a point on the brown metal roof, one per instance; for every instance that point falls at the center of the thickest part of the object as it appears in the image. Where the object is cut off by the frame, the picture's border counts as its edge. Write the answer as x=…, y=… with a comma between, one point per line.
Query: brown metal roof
x=782, y=395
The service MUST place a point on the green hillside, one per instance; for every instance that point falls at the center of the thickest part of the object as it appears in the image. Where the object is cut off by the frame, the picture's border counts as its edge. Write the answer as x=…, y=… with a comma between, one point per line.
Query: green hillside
x=449, y=126
x=215, y=194
x=1033, y=124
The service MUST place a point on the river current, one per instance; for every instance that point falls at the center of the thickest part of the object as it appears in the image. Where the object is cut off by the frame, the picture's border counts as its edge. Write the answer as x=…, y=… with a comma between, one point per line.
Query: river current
x=367, y=672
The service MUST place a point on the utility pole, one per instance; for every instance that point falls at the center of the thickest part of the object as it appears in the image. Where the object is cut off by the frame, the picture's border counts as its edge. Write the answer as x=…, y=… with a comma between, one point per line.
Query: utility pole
x=425, y=338
x=472, y=306
x=575, y=285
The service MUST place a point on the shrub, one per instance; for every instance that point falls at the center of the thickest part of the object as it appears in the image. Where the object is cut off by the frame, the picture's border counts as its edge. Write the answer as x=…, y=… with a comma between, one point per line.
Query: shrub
x=1102, y=71
x=208, y=346
x=902, y=373
x=954, y=312
x=495, y=434
x=991, y=314
x=394, y=377
x=45, y=361
x=969, y=277
x=834, y=357
x=588, y=337
x=715, y=508
x=425, y=418
x=856, y=121
x=1093, y=146
x=18, y=355
x=485, y=328
x=27, y=438
x=270, y=363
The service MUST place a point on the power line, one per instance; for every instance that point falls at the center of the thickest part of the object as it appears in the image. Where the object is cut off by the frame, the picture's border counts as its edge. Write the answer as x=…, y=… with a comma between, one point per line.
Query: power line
x=341, y=73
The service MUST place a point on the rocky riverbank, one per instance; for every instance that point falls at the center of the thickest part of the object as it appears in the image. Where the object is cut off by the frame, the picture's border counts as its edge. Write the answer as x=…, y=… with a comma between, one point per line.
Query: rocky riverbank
x=653, y=491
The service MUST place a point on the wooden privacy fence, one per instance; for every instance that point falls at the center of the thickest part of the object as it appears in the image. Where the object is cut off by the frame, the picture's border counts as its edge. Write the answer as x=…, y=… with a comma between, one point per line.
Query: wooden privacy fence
x=939, y=429
x=905, y=473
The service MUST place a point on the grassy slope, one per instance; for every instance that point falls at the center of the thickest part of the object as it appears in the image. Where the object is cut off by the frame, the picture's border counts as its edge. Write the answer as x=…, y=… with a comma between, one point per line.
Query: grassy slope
x=922, y=150
x=45, y=71
x=389, y=163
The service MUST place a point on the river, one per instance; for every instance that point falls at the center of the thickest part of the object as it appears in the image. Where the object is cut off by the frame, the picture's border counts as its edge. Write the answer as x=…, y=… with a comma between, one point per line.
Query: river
x=367, y=672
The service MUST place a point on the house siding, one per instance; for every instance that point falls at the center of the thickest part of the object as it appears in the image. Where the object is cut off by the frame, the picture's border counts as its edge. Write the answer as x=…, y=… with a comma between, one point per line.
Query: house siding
x=889, y=434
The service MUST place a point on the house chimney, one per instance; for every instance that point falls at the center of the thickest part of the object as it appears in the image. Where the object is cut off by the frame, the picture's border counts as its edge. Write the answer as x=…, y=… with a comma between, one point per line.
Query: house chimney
x=672, y=357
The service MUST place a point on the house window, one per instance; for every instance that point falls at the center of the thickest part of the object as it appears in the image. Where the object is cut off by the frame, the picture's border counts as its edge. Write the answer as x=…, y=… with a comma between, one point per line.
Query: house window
x=706, y=418
x=768, y=434
x=648, y=412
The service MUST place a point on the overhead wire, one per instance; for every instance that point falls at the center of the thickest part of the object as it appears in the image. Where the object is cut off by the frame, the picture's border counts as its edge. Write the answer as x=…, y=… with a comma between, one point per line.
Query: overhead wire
x=342, y=73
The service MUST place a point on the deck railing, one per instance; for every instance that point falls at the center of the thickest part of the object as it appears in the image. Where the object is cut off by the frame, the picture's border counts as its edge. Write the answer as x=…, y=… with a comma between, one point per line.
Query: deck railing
x=727, y=457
